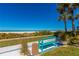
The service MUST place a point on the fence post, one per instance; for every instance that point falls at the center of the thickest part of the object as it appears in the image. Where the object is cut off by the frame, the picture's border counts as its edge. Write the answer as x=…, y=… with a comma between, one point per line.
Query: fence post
x=24, y=47
x=35, y=49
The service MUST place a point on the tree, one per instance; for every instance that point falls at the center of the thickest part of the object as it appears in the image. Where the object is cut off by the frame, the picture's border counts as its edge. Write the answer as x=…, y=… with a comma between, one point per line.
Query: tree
x=63, y=18
x=63, y=14
x=71, y=8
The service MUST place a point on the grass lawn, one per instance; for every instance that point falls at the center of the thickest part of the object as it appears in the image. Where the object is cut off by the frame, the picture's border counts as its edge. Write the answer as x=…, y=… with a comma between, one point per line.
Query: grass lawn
x=14, y=42
x=9, y=43
x=63, y=51
x=19, y=41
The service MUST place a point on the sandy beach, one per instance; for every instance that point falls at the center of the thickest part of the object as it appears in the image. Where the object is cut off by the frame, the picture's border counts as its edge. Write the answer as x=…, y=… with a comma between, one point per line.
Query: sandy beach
x=19, y=32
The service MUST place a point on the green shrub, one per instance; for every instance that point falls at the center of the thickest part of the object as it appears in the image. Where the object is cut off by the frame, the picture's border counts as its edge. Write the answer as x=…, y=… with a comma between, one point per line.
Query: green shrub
x=74, y=40
x=57, y=33
x=77, y=32
x=36, y=34
x=43, y=32
x=62, y=35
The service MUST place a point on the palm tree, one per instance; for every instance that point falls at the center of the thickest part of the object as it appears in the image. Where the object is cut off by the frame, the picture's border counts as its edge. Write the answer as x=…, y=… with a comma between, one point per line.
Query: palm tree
x=63, y=14
x=71, y=8
x=68, y=10
x=63, y=18
x=71, y=12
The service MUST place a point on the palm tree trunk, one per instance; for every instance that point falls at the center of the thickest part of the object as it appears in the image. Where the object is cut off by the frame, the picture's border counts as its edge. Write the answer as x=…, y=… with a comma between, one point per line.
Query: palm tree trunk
x=65, y=25
x=73, y=27
x=73, y=24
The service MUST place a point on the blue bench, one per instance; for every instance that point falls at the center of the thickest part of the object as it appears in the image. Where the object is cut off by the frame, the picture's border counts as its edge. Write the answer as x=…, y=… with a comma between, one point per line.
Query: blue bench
x=48, y=42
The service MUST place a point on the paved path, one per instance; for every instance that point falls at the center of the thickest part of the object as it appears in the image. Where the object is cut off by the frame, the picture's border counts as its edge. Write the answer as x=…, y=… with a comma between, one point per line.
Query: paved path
x=13, y=50
x=10, y=50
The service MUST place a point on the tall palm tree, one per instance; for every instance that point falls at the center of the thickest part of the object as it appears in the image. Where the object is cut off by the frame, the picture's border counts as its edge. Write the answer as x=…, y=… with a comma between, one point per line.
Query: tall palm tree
x=62, y=17
x=71, y=8
x=71, y=12
x=63, y=14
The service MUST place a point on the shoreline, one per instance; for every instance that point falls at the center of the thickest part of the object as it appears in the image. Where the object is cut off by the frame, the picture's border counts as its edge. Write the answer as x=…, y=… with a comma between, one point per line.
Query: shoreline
x=23, y=32
x=19, y=32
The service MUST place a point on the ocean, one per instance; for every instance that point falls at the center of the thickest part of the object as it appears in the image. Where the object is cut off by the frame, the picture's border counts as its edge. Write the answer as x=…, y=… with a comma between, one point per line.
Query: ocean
x=20, y=31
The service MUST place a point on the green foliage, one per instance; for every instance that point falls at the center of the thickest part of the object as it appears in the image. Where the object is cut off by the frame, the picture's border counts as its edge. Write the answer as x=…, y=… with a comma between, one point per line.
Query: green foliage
x=43, y=32
x=61, y=34
x=77, y=32
x=66, y=11
x=13, y=35
x=36, y=34
x=18, y=35
x=63, y=14
x=74, y=40
x=57, y=33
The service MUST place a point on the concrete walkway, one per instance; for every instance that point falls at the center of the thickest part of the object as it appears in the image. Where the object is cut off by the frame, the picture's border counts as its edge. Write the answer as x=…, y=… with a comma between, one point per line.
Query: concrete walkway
x=10, y=50
x=14, y=50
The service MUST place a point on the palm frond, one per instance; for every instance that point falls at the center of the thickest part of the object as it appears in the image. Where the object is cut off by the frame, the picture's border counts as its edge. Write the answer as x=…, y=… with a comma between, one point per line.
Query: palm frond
x=60, y=8
x=70, y=10
x=69, y=17
x=76, y=5
x=61, y=17
x=66, y=5
x=77, y=16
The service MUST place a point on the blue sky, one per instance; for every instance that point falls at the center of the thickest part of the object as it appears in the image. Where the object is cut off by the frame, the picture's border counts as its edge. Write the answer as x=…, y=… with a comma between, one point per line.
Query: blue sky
x=40, y=16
